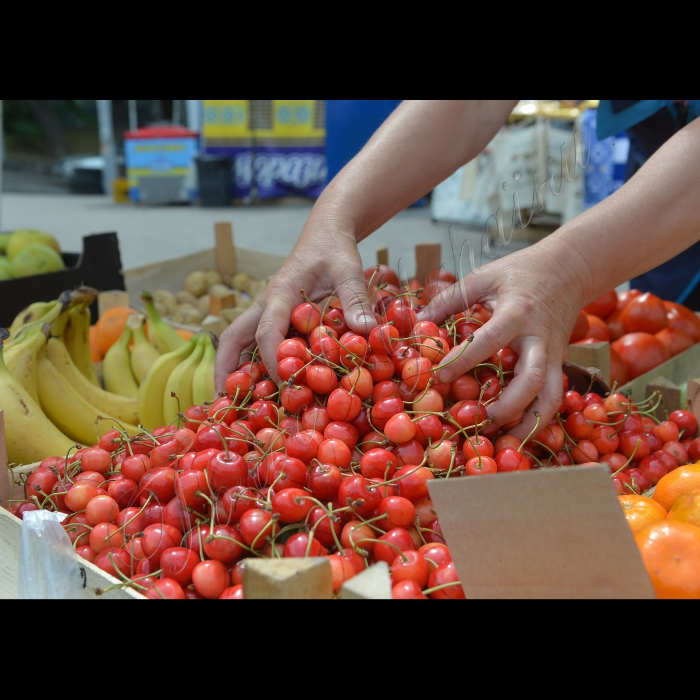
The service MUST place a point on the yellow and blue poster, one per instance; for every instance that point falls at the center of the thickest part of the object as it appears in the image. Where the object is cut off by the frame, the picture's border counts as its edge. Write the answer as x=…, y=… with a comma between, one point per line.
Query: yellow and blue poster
x=277, y=146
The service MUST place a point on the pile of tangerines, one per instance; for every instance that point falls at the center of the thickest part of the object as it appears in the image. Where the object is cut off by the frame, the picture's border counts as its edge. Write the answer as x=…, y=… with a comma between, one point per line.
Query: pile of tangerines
x=336, y=461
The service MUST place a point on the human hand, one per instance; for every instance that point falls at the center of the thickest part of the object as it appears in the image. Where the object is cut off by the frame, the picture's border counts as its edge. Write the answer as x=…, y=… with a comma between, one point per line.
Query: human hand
x=535, y=297
x=325, y=261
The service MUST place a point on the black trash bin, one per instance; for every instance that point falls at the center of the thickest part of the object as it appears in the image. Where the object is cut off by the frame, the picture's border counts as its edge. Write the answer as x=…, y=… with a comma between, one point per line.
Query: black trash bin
x=214, y=174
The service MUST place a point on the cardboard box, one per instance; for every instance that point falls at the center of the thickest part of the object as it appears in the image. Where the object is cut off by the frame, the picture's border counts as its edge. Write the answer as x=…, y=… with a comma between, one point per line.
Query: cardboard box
x=94, y=579
x=225, y=257
x=297, y=578
x=548, y=533
x=98, y=266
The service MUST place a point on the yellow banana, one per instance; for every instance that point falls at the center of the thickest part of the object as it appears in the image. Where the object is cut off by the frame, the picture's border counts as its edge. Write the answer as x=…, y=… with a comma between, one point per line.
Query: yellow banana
x=107, y=403
x=153, y=387
x=180, y=383
x=20, y=358
x=161, y=334
x=50, y=317
x=33, y=313
x=68, y=410
x=143, y=354
x=116, y=368
x=203, y=388
x=29, y=434
x=76, y=337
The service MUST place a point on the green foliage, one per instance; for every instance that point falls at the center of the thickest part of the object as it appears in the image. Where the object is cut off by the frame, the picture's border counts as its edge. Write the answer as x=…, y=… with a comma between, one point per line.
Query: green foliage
x=22, y=127
x=19, y=120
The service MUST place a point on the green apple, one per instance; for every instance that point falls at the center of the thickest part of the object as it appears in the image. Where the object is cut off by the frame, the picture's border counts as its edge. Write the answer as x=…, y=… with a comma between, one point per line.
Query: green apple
x=36, y=259
x=24, y=237
x=6, y=269
x=4, y=238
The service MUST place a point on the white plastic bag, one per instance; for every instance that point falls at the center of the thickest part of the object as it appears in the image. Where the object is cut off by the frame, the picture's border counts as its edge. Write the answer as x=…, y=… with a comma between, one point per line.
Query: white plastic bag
x=48, y=565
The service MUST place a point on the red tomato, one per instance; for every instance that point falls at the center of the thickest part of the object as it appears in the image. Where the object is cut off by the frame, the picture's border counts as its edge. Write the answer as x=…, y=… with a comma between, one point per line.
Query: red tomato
x=597, y=328
x=683, y=319
x=645, y=313
x=618, y=368
x=580, y=330
x=603, y=306
x=614, y=324
x=675, y=340
x=624, y=297
x=640, y=352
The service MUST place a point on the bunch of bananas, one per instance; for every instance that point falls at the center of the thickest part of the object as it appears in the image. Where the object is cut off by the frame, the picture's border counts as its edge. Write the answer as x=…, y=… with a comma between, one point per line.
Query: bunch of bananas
x=49, y=390
x=178, y=380
x=160, y=364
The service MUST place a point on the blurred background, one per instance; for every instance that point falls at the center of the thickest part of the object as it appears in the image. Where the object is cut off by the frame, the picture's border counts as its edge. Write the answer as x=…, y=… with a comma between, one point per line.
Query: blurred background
x=160, y=172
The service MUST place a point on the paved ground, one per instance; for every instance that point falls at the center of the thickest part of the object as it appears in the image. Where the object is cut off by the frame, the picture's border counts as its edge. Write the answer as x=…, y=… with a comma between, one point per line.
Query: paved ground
x=151, y=234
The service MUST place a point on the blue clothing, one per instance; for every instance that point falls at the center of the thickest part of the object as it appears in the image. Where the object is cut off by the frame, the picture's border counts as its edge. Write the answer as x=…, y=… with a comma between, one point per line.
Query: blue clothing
x=649, y=124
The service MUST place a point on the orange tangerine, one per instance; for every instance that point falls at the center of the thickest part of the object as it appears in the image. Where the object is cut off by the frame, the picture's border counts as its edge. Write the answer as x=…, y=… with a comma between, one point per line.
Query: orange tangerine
x=677, y=483
x=687, y=508
x=670, y=551
x=640, y=511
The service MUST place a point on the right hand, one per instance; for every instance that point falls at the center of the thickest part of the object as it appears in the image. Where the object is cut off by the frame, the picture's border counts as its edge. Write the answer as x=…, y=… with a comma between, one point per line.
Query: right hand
x=325, y=261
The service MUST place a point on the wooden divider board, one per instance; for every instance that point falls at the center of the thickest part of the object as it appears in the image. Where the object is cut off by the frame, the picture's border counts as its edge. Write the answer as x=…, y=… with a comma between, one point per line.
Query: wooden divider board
x=288, y=579
x=592, y=355
x=547, y=533
x=670, y=397
x=692, y=397
x=428, y=259
x=225, y=251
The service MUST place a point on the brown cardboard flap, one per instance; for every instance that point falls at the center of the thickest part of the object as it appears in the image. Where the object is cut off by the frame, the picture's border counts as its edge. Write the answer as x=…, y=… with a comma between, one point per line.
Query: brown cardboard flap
x=5, y=474
x=547, y=533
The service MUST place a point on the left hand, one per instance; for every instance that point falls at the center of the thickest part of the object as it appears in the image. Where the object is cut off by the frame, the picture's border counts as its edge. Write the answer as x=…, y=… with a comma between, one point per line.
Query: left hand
x=535, y=302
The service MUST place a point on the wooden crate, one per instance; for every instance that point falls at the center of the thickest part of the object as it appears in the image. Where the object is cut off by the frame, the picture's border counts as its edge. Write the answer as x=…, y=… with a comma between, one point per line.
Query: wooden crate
x=273, y=578
x=94, y=579
x=225, y=257
x=664, y=378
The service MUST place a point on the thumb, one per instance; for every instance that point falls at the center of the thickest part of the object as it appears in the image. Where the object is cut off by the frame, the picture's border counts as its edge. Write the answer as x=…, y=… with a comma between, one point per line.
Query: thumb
x=353, y=297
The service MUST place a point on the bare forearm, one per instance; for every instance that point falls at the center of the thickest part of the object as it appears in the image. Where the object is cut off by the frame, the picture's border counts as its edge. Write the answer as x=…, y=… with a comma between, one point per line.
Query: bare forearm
x=649, y=220
x=422, y=143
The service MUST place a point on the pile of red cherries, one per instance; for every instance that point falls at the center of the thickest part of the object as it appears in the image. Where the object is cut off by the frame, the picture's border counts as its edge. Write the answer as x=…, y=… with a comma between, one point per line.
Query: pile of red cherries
x=333, y=463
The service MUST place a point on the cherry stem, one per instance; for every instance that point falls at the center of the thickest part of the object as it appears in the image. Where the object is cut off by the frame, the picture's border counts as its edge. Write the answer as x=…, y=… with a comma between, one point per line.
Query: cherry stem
x=404, y=558
x=629, y=461
x=428, y=591
x=464, y=345
x=270, y=524
x=338, y=368
x=532, y=432
x=429, y=385
x=210, y=538
x=453, y=451
x=550, y=450
x=316, y=307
